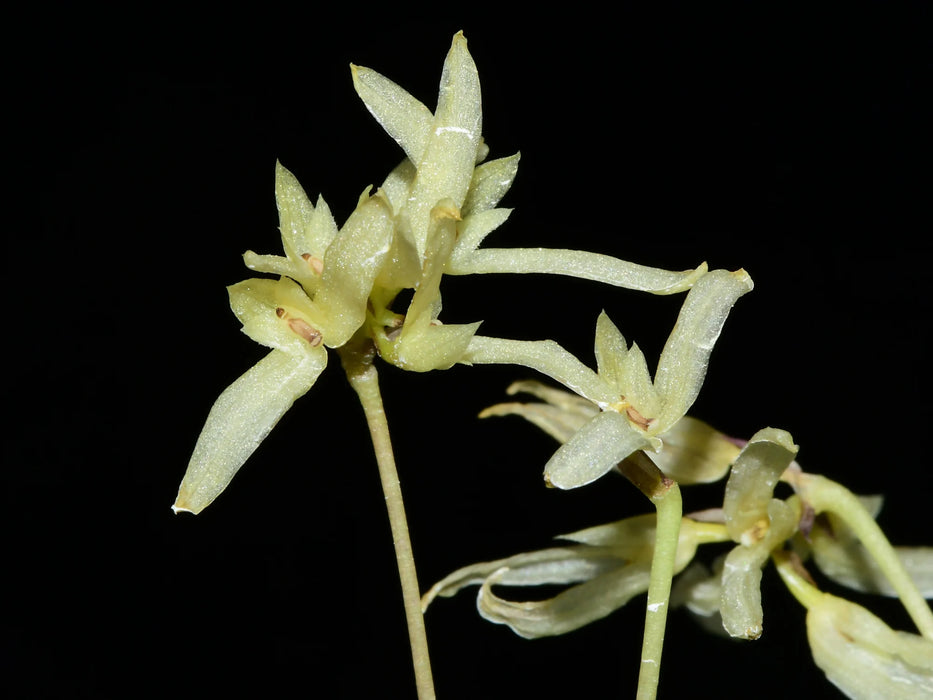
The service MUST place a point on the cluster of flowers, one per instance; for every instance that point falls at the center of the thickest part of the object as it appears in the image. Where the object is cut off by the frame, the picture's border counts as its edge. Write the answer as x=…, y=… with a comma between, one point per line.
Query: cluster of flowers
x=335, y=286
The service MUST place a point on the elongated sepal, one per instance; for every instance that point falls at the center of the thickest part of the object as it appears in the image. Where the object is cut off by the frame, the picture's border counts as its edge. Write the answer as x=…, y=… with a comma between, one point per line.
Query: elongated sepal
x=865, y=658
x=403, y=117
x=683, y=362
x=603, y=574
x=241, y=418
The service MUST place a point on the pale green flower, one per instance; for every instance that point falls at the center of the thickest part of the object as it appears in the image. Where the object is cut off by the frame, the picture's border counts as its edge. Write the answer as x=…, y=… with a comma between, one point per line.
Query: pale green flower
x=634, y=410
x=857, y=651
x=337, y=272
x=609, y=565
x=693, y=452
x=428, y=218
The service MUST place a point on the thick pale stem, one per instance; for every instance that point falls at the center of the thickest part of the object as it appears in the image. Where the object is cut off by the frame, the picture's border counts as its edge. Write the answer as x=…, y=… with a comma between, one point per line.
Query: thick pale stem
x=826, y=495
x=665, y=494
x=357, y=358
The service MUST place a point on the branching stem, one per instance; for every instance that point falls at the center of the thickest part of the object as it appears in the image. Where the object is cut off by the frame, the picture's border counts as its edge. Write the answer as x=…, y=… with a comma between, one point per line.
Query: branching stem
x=357, y=357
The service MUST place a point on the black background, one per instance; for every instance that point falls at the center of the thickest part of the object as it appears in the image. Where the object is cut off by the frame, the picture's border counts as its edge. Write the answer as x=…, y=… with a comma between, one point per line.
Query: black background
x=789, y=140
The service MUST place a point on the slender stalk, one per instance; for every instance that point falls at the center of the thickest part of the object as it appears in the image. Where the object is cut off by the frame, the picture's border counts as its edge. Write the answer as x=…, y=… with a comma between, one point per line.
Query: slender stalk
x=826, y=495
x=357, y=357
x=664, y=493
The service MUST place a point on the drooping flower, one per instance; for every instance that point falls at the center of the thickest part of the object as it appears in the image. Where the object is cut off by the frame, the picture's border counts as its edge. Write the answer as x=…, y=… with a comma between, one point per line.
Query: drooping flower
x=607, y=567
x=857, y=651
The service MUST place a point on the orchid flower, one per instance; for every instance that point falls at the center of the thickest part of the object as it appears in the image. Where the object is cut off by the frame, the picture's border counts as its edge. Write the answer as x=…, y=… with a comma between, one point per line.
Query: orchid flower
x=428, y=218
x=607, y=567
x=857, y=651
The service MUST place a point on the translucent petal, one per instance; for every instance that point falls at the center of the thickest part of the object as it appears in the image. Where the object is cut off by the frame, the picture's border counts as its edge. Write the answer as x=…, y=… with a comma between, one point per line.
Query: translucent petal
x=295, y=211
x=351, y=265
x=695, y=453
x=603, y=442
x=403, y=117
x=740, y=604
x=843, y=558
x=446, y=168
x=489, y=184
x=569, y=610
x=683, y=361
x=556, y=422
x=865, y=658
x=474, y=229
x=241, y=418
x=560, y=565
x=610, y=349
x=751, y=483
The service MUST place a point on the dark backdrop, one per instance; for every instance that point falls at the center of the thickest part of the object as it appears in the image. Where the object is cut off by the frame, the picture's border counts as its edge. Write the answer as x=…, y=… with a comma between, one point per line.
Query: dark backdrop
x=791, y=141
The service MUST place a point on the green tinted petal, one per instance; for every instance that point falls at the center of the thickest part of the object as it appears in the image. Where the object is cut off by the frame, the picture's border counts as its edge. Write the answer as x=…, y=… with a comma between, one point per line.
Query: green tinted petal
x=740, y=604
x=474, y=228
x=241, y=418
x=751, y=484
x=843, y=558
x=489, y=184
x=683, y=361
x=446, y=168
x=569, y=610
x=403, y=117
x=695, y=453
x=559, y=424
x=865, y=658
x=610, y=349
x=603, y=442
x=295, y=211
x=351, y=265
x=559, y=565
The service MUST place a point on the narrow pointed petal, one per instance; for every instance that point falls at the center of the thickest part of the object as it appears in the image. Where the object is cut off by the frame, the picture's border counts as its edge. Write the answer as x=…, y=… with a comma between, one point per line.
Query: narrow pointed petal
x=844, y=559
x=295, y=211
x=474, y=229
x=695, y=453
x=610, y=349
x=683, y=362
x=489, y=184
x=446, y=168
x=403, y=117
x=603, y=442
x=865, y=658
x=569, y=610
x=241, y=418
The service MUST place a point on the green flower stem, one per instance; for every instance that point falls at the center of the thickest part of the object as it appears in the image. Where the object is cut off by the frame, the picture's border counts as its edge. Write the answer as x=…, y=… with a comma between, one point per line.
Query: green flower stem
x=796, y=578
x=357, y=358
x=826, y=495
x=664, y=493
